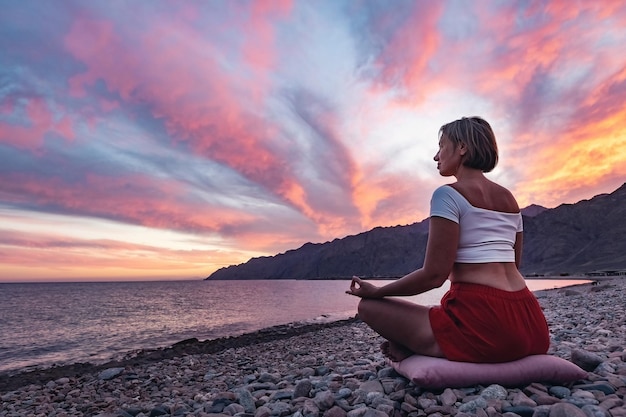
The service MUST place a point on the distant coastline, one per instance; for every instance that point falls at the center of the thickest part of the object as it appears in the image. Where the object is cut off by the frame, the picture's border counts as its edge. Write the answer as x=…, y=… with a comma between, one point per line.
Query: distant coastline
x=584, y=239
x=583, y=277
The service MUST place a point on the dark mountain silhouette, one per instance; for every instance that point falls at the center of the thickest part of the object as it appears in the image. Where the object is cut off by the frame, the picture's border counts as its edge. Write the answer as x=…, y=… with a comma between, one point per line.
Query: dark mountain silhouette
x=569, y=239
x=533, y=210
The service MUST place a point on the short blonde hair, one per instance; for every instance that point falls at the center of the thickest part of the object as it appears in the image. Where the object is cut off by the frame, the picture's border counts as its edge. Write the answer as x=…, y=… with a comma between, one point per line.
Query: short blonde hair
x=478, y=137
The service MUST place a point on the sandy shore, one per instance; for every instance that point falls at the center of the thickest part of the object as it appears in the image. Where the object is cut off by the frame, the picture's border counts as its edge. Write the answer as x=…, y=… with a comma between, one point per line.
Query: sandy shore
x=331, y=370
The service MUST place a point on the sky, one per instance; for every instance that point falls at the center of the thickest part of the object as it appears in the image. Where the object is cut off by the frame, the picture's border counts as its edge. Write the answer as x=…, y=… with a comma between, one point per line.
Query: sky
x=166, y=139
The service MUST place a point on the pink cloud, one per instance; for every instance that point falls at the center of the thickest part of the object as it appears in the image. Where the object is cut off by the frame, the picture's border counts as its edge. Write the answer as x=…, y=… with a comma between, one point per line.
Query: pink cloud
x=410, y=50
x=258, y=50
x=152, y=202
x=135, y=199
x=39, y=121
x=202, y=103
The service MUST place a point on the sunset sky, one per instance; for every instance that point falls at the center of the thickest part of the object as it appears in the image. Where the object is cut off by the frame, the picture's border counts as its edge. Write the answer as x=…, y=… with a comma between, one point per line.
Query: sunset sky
x=167, y=139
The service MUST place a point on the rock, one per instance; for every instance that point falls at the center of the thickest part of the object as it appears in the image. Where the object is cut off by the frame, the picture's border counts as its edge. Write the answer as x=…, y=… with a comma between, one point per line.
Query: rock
x=322, y=370
x=618, y=412
x=388, y=384
x=342, y=393
x=310, y=409
x=267, y=377
x=376, y=403
x=281, y=395
x=521, y=399
x=280, y=409
x=496, y=392
x=611, y=401
x=408, y=408
x=448, y=397
x=373, y=397
x=560, y=392
x=586, y=360
x=473, y=405
x=110, y=373
x=357, y=412
x=324, y=400
x=159, y=411
x=234, y=408
x=344, y=404
x=520, y=410
x=374, y=413
x=335, y=411
x=542, y=411
x=580, y=401
x=545, y=399
x=372, y=386
x=246, y=400
x=263, y=411
x=566, y=410
x=595, y=411
x=303, y=389
x=387, y=372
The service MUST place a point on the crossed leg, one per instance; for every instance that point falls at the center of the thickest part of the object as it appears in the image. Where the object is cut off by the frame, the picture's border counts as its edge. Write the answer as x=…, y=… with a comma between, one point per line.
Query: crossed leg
x=405, y=325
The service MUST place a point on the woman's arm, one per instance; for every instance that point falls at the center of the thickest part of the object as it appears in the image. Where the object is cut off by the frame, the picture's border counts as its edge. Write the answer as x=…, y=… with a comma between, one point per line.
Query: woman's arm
x=443, y=240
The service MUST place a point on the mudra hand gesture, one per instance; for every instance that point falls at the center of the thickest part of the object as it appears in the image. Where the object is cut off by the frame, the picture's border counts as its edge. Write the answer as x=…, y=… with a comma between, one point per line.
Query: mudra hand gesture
x=361, y=288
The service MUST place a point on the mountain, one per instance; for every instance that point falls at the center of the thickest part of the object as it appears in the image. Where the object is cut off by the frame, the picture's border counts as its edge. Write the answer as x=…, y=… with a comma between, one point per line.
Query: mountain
x=582, y=237
x=533, y=210
x=569, y=239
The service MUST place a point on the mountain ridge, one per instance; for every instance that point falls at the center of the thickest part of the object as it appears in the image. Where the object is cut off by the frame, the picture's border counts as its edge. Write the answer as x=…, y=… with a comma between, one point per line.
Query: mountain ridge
x=569, y=239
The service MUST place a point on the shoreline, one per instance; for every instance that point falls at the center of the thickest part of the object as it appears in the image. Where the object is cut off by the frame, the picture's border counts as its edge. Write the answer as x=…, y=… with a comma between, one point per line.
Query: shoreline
x=14, y=380
x=588, y=317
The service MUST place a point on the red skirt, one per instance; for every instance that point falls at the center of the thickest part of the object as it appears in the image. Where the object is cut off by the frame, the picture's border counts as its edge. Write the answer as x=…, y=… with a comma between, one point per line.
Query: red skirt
x=477, y=323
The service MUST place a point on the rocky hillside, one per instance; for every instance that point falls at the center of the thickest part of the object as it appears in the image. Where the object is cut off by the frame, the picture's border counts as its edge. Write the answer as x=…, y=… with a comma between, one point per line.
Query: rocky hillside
x=571, y=238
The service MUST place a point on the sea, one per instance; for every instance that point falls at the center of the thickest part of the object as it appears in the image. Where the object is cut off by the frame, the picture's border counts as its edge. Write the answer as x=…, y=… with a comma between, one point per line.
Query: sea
x=55, y=324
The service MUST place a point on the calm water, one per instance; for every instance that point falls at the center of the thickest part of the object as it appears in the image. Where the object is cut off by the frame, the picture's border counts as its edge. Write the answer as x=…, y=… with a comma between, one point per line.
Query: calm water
x=43, y=324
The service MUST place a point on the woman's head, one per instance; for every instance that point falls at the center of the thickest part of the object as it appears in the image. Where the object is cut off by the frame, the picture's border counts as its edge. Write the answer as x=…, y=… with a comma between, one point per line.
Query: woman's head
x=476, y=135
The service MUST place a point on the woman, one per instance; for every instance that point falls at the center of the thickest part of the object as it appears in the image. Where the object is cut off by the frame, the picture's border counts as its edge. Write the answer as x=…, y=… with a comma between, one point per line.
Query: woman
x=475, y=241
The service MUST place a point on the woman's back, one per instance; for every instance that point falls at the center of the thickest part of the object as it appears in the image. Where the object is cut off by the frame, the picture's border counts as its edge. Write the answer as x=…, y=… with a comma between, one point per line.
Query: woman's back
x=486, y=194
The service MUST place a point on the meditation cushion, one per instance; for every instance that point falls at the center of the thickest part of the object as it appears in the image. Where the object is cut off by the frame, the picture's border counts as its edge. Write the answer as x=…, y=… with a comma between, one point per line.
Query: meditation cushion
x=429, y=372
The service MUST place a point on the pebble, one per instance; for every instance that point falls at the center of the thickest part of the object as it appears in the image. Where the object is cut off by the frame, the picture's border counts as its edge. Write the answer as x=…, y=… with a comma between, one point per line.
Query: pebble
x=340, y=372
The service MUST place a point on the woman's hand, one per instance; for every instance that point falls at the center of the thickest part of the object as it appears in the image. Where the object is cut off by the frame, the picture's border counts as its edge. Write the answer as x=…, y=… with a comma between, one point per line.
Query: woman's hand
x=361, y=288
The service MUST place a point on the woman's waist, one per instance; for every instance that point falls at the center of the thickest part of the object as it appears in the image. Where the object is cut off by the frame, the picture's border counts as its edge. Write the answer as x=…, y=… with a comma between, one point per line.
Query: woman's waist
x=501, y=275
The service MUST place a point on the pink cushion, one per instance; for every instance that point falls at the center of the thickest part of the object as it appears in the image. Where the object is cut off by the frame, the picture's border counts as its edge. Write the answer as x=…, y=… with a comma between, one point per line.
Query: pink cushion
x=429, y=372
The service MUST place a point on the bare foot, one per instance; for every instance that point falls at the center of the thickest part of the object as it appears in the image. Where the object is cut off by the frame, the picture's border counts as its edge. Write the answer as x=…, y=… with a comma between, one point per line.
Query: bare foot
x=394, y=351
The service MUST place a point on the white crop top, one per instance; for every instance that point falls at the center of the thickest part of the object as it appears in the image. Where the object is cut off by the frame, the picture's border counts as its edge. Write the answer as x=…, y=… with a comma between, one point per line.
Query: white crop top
x=485, y=235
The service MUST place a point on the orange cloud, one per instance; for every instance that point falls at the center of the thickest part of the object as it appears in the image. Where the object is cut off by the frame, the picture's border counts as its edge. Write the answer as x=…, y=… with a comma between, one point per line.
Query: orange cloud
x=589, y=153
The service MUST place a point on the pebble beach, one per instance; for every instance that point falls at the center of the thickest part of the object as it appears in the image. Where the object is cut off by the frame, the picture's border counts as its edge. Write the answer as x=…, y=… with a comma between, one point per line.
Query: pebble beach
x=334, y=370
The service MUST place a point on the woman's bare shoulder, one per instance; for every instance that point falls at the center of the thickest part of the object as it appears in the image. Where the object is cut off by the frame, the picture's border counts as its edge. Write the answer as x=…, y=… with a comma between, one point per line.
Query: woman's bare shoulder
x=488, y=195
x=503, y=198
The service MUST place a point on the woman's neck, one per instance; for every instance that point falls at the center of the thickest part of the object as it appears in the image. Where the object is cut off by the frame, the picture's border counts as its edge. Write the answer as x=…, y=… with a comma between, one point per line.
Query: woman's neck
x=465, y=174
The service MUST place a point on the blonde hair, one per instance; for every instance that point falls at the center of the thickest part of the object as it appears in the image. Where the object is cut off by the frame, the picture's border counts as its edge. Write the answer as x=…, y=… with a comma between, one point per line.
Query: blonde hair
x=478, y=137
